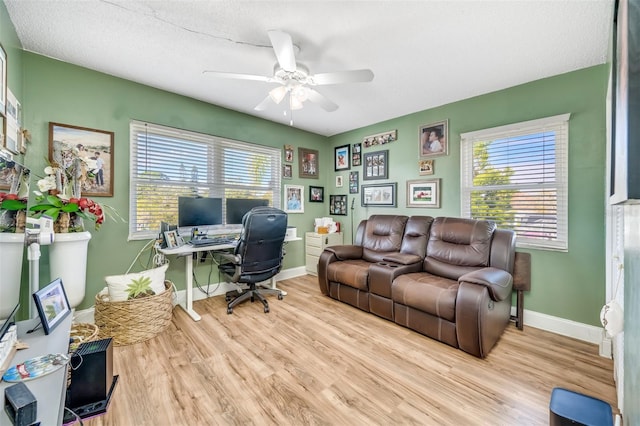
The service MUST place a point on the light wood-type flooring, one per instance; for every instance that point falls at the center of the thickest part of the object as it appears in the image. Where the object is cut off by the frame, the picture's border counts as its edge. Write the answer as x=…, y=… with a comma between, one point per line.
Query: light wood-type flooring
x=316, y=361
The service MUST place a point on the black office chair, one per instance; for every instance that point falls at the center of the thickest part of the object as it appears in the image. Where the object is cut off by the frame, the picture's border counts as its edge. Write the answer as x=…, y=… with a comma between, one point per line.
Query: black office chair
x=257, y=257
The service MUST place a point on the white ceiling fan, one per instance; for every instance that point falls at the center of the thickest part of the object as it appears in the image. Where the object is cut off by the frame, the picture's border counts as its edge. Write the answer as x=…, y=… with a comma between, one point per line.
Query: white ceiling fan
x=295, y=81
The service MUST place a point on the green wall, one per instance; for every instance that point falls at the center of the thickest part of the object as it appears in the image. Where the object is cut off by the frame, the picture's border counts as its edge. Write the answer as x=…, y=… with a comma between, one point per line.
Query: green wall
x=64, y=93
x=567, y=285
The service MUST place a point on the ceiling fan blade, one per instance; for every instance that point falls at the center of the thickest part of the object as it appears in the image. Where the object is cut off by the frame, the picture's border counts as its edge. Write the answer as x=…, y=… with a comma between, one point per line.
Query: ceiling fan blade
x=237, y=76
x=355, y=76
x=264, y=104
x=321, y=100
x=283, y=46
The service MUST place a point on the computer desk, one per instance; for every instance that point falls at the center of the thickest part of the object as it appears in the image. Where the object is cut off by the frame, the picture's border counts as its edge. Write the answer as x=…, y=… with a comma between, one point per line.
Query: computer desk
x=188, y=250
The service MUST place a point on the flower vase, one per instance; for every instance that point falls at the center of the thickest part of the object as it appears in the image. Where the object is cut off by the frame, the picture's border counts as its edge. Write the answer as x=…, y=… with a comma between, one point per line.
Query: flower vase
x=68, y=261
x=12, y=249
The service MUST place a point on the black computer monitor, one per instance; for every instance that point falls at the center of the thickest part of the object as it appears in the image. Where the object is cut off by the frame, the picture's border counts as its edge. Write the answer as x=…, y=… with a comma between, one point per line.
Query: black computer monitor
x=199, y=211
x=238, y=207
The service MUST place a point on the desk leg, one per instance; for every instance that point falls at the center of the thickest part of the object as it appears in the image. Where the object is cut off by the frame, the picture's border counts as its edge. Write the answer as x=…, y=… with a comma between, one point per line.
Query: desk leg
x=188, y=306
x=273, y=286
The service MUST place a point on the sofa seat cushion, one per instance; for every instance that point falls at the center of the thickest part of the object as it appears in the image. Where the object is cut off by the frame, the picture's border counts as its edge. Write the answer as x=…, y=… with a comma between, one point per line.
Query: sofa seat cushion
x=428, y=293
x=354, y=273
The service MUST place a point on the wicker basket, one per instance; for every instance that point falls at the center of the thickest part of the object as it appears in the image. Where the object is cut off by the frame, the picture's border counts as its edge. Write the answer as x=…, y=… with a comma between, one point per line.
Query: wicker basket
x=81, y=332
x=134, y=321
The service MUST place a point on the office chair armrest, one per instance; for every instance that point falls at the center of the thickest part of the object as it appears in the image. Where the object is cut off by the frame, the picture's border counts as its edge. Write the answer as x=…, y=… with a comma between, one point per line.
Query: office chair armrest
x=226, y=261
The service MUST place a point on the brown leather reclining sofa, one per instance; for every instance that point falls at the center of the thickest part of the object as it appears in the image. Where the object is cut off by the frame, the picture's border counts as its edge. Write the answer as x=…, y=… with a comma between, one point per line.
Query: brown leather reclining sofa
x=447, y=278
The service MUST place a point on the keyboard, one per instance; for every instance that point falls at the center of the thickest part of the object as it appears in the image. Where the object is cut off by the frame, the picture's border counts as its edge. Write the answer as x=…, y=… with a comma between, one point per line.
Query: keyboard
x=215, y=241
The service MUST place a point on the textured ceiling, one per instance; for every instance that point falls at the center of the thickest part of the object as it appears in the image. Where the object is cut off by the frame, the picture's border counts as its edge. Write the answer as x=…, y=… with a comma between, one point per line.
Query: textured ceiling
x=423, y=53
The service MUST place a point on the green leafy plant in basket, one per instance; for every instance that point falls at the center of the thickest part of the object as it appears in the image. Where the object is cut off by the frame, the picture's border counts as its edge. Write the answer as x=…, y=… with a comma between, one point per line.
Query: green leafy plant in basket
x=139, y=288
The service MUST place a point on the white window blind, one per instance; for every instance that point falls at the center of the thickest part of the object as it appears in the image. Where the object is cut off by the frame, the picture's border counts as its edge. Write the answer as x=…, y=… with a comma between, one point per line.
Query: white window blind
x=517, y=176
x=167, y=163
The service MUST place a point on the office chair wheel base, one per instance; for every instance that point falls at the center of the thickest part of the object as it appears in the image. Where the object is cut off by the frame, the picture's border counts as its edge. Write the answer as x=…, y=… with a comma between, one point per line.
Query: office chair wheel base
x=229, y=311
x=266, y=309
x=280, y=296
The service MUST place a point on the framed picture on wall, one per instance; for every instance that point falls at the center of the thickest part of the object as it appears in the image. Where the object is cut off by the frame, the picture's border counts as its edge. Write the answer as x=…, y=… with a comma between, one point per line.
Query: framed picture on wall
x=294, y=198
x=95, y=149
x=316, y=194
x=288, y=154
x=3, y=81
x=356, y=155
x=379, y=195
x=354, y=182
x=376, y=165
x=433, y=139
x=338, y=205
x=287, y=171
x=423, y=193
x=308, y=163
x=341, y=157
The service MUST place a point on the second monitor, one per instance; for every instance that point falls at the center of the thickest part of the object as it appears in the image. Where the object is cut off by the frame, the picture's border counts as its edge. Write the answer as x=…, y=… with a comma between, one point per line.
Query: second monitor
x=238, y=207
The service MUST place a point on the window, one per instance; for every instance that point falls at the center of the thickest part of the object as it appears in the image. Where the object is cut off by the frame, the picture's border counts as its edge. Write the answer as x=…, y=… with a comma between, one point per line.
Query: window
x=516, y=175
x=167, y=163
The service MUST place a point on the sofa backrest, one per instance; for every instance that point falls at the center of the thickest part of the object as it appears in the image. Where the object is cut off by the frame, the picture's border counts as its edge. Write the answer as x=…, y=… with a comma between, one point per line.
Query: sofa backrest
x=382, y=235
x=457, y=246
x=416, y=235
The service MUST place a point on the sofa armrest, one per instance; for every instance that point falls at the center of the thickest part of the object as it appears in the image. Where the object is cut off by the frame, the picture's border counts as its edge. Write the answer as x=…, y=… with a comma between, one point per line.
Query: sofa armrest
x=498, y=282
x=402, y=258
x=345, y=252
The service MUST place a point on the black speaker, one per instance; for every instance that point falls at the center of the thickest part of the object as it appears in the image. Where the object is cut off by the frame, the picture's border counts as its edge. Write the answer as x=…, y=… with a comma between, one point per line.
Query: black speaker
x=91, y=376
x=20, y=404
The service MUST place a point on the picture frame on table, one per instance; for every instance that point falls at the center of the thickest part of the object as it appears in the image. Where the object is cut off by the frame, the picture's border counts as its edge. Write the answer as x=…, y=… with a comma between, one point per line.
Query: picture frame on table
x=433, y=139
x=379, y=195
x=376, y=165
x=308, y=163
x=294, y=198
x=341, y=155
x=338, y=205
x=94, y=147
x=172, y=239
x=316, y=194
x=52, y=304
x=423, y=193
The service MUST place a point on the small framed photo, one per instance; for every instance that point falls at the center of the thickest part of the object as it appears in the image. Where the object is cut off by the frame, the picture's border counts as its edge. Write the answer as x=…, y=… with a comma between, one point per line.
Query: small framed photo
x=354, y=182
x=287, y=171
x=308, y=163
x=379, y=195
x=173, y=239
x=338, y=181
x=3, y=81
x=425, y=167
x=294, y=198
x=376, y=165
x=434, y=139
x=356, y=155
x=338, y=205
x=341, y=157
x=52, y=304
x=316, y=194
x=423, y=193
x=288, y=154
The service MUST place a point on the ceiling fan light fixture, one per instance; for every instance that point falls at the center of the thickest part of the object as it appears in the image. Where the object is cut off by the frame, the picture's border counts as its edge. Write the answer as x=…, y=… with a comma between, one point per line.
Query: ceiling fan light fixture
x=295, y=103
x=277, y=94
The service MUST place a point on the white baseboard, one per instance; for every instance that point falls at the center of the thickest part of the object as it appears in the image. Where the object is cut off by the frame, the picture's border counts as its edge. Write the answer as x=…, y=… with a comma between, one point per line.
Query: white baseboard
x=564, y=327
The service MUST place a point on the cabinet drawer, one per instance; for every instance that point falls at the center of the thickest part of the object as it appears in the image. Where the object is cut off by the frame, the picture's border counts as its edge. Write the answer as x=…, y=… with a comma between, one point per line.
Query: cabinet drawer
x=314, y=251
x=314, y=240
